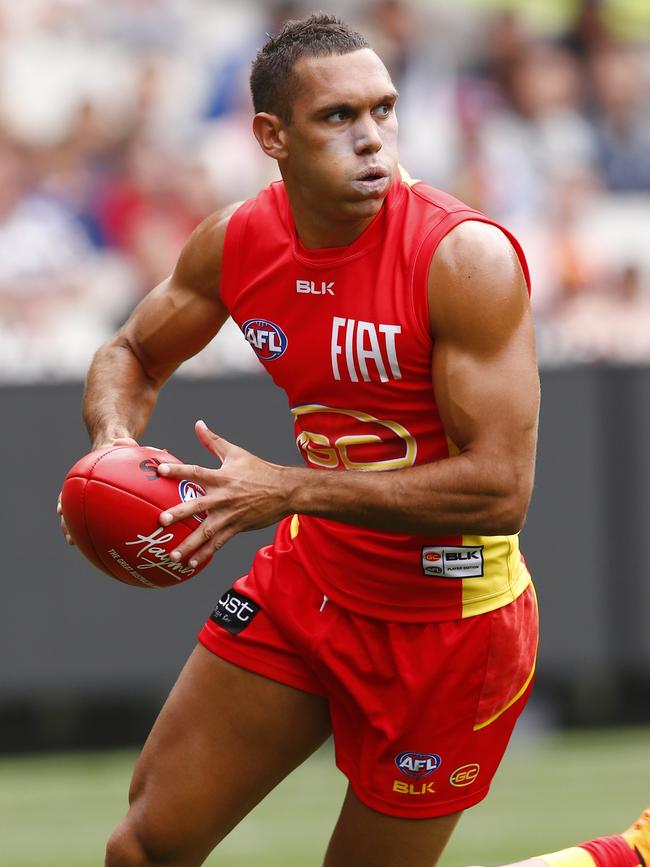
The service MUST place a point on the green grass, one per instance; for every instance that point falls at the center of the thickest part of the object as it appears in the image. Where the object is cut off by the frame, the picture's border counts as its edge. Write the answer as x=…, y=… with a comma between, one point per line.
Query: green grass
x=56, y=811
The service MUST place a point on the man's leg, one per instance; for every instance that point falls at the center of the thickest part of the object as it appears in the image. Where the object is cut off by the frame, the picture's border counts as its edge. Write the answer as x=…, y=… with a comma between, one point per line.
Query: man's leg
x=223, y=740
x=365, y=838
x=629, y=849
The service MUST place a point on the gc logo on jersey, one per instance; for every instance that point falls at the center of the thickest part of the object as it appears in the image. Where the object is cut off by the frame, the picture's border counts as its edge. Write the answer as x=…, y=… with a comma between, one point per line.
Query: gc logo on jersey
x=418, y=765
x=267, y=339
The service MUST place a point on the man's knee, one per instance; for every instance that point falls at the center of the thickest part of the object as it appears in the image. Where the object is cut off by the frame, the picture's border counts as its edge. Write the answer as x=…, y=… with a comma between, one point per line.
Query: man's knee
x=126, y=848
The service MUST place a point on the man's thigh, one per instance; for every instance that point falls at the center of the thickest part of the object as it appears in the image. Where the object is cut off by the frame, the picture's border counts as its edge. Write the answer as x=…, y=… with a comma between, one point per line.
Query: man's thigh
x=365, y=838
x=224, y=739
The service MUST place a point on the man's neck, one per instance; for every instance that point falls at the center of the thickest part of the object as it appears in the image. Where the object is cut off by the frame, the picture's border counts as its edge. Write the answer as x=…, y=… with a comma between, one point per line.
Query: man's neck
x=317, y=230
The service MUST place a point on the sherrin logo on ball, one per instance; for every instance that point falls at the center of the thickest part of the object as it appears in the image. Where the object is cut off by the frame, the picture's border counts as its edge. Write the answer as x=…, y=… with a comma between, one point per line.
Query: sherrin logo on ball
x=267, y=339
x=112, y=501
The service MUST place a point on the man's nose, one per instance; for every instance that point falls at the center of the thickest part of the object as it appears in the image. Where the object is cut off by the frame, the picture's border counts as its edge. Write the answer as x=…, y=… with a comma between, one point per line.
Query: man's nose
x=367, y=138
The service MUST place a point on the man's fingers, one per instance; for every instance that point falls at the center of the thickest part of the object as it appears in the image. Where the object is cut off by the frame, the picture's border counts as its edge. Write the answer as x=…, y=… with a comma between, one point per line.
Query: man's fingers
x=62, y=523
x=212, y=441
x=186, y=471
x=184, y=510
x=201, y=544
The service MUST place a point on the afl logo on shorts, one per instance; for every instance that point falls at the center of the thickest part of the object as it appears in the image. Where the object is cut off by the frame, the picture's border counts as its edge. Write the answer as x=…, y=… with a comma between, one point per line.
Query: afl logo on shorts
x=191, y=491
x=267, y=339
x=418, y=765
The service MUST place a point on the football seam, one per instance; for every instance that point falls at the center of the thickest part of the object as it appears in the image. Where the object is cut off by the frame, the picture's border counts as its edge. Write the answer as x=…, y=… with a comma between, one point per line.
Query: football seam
x=184, y=522
x=113, y=484
x=88, y=478
x=85, y=519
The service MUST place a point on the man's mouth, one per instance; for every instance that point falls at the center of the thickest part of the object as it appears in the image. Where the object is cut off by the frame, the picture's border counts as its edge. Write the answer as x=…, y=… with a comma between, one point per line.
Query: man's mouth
x=372, y=180
x=372, y=173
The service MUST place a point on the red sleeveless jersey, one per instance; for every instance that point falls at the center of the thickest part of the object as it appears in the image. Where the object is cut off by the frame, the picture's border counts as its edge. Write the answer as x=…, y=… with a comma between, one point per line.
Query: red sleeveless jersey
x=346, y=333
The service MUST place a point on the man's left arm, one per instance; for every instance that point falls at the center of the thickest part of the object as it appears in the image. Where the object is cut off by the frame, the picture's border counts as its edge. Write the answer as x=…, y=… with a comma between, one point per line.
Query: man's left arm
x=487, y=391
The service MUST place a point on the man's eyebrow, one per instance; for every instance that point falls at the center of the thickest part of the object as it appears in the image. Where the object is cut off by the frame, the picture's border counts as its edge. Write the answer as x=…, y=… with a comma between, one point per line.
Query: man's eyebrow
x=390, y=96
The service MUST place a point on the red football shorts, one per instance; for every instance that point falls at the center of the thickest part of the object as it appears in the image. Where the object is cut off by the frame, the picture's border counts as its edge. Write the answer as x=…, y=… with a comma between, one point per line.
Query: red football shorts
x=421, y=712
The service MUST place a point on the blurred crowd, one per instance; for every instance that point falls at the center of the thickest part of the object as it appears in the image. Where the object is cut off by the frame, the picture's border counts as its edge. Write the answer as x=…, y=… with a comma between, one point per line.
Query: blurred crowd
x=123, y=124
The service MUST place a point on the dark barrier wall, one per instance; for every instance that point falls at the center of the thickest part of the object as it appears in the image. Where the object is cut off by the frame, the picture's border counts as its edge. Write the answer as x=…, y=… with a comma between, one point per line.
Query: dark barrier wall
x=68, y=632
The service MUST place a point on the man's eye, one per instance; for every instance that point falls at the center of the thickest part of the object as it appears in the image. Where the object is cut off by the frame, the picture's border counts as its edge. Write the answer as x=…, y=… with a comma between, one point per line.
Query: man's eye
x=338, y=115
x=383, y=110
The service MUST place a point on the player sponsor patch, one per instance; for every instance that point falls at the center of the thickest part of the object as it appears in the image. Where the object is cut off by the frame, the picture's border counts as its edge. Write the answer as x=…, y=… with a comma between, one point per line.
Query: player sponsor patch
x=234, y=612
x=418, y=765
x=459, y=561
x=267, y=339
x=188, y=490
x=465, y=775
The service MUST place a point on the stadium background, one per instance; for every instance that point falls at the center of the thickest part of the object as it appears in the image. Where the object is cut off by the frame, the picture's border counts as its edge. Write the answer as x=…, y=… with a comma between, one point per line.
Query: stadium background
x=121, y=126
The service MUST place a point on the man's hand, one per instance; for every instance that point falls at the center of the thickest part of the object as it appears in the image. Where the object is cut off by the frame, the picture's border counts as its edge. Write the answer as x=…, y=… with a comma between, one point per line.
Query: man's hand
x=247, y=493
x=121, y=441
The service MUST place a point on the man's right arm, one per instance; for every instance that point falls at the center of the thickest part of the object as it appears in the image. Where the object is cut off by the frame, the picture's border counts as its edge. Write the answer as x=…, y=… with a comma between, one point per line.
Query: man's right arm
x=172, y=323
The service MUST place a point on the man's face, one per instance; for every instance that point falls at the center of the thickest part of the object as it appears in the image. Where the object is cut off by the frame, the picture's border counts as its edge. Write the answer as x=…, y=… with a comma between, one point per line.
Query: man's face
x=342, y=140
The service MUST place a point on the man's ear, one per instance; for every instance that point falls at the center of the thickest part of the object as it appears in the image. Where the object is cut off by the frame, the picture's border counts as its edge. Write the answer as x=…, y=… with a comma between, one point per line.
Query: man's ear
x=270, y=132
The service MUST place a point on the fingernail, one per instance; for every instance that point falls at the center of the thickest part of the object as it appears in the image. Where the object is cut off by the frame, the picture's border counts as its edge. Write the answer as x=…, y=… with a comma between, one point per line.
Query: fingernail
x=175, y=555
x=201, y=422
x=166, y=518
x=163, y=469
x=59, y=510
x=193, y=563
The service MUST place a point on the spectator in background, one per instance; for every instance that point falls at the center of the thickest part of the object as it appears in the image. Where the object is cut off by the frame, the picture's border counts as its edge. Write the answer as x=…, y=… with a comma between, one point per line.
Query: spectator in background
x=621, y=116
x=53, y=299
x=152, y=207
x=538, y=129
x=117, y=120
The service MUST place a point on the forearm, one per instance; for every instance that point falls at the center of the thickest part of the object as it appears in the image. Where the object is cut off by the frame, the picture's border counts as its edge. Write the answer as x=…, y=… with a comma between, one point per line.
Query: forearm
x=453, y=496
x=119, y=396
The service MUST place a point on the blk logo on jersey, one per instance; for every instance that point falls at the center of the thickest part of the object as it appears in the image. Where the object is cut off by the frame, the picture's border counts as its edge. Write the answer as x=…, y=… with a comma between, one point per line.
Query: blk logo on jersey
x=363, y=350
x=267, y=339
x=234, y=612
x=311, y=287
x=418, y=765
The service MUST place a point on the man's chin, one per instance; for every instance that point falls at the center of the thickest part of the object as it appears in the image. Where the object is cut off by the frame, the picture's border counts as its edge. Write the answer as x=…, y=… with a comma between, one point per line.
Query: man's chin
x=365, y=209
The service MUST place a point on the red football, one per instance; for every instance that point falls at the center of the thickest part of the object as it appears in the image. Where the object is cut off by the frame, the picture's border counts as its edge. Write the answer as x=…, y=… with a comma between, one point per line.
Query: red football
x=111, y=501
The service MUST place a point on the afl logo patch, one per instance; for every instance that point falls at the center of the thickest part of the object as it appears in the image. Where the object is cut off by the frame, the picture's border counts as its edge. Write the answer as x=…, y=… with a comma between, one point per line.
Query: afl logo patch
x=191, y=491
x=267, y=339
x=418, y=765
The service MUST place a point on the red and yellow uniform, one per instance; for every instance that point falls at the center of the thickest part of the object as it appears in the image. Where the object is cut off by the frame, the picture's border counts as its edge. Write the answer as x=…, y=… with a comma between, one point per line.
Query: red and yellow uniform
x=346, y=333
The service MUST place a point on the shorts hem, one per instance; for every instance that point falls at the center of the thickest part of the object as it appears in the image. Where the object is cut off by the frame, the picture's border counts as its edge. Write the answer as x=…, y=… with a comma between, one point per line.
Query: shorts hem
x=239, y=656
x=415, y=811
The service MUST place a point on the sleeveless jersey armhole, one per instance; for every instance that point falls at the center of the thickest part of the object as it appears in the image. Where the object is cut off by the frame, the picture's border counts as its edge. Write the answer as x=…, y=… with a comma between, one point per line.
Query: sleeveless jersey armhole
x=425, y=253
x=232, y=255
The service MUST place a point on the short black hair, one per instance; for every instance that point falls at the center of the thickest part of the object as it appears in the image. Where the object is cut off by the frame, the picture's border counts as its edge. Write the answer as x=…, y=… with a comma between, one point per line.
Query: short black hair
x=273, y=83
